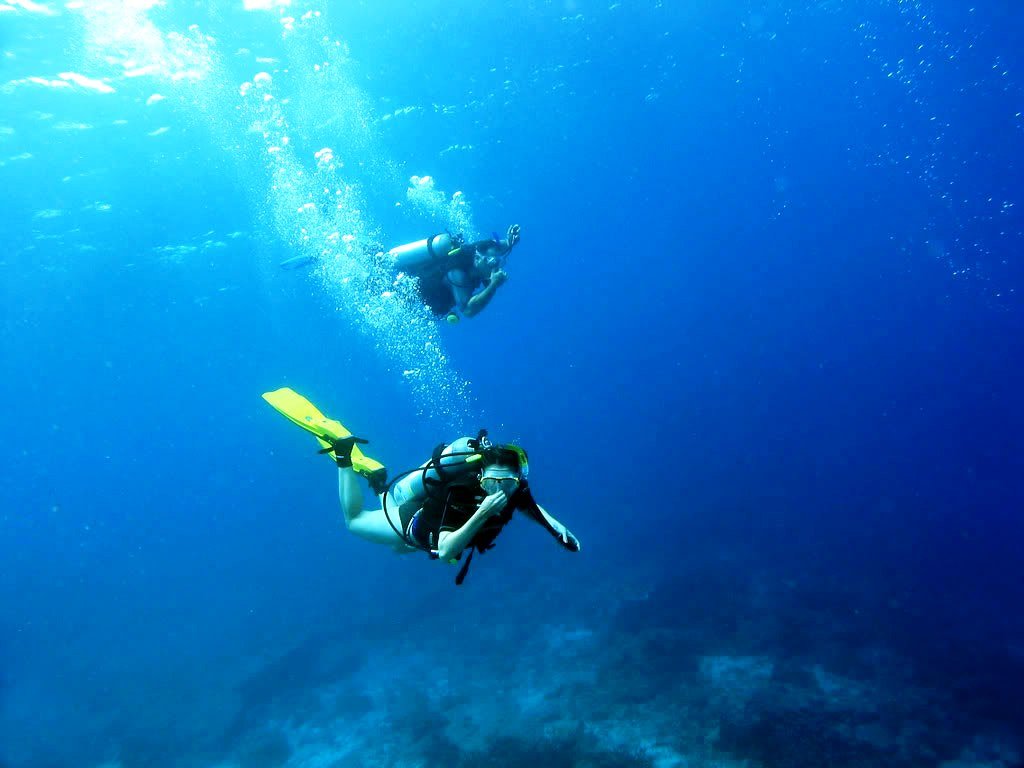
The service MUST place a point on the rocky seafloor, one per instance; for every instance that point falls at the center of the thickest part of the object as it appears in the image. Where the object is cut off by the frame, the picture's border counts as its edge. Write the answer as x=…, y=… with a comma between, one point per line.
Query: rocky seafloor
x=699, y=670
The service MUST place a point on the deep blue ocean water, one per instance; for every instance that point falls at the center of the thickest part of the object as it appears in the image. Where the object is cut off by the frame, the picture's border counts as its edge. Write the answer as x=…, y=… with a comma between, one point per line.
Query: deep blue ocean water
x=762, y=339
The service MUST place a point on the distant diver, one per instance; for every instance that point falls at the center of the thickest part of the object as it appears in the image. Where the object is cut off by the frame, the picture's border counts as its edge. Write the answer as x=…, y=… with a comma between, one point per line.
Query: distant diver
x=456, y=275
x=460, y=499
x=353, y=246
x=297, y=262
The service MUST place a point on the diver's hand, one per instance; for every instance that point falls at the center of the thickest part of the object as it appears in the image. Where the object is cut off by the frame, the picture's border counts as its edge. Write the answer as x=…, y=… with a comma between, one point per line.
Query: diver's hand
x=498, y=277
x=493, y=504
x=566, y=538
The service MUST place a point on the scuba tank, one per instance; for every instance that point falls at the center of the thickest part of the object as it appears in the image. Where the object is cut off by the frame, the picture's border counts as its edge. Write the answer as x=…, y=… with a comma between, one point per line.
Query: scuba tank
x=454, y=461
x=415, y=257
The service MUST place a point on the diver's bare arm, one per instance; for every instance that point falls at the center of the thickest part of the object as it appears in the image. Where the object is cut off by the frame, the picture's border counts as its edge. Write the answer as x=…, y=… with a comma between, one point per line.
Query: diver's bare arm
x=565, y=536
x=451, y=543
x=458, y=280
x=476, y=304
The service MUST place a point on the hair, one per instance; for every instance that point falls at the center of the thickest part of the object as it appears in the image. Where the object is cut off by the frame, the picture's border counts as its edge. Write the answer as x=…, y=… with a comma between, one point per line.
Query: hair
x=503, y=463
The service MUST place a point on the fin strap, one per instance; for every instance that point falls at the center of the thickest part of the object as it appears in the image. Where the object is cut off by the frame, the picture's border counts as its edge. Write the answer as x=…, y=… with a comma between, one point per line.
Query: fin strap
x=342, y=449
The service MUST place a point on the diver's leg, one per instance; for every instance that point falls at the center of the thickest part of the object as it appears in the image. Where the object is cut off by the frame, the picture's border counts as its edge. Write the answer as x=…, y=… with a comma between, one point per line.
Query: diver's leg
x=369, y=524
x=373, y=525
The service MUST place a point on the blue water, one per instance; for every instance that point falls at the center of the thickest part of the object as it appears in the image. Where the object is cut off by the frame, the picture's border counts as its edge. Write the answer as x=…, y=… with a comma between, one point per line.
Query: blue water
x=762, y=339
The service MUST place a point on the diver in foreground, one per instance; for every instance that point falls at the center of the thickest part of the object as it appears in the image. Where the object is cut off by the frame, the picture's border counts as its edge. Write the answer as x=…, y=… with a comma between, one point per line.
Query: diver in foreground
x=456, y=275
x=461, y=498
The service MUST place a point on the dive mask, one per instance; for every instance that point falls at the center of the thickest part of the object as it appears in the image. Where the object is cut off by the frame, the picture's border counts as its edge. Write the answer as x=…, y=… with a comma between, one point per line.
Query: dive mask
x=492, y=484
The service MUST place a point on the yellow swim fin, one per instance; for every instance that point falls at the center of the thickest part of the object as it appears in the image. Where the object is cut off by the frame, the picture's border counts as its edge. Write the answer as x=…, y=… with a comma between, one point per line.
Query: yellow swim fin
x=300, y=411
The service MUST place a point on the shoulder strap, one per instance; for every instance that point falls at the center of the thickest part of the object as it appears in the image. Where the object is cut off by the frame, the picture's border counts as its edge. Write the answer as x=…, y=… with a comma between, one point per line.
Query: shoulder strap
x=434, y=255
x=461, y=576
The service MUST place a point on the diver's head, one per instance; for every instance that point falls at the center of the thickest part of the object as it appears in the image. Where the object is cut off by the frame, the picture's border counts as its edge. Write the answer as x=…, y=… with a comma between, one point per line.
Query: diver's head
x=500, y=477
x=489, y=258
x=506, y=469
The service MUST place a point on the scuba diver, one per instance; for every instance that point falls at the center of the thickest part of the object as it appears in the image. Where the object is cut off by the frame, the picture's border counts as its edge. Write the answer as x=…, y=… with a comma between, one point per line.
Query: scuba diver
x=454, y=274
x=460, y=499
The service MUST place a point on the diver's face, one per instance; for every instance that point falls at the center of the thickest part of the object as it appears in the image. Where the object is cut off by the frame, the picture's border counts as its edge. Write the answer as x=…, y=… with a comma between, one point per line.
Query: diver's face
x=488, y=261
x=499, y=477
